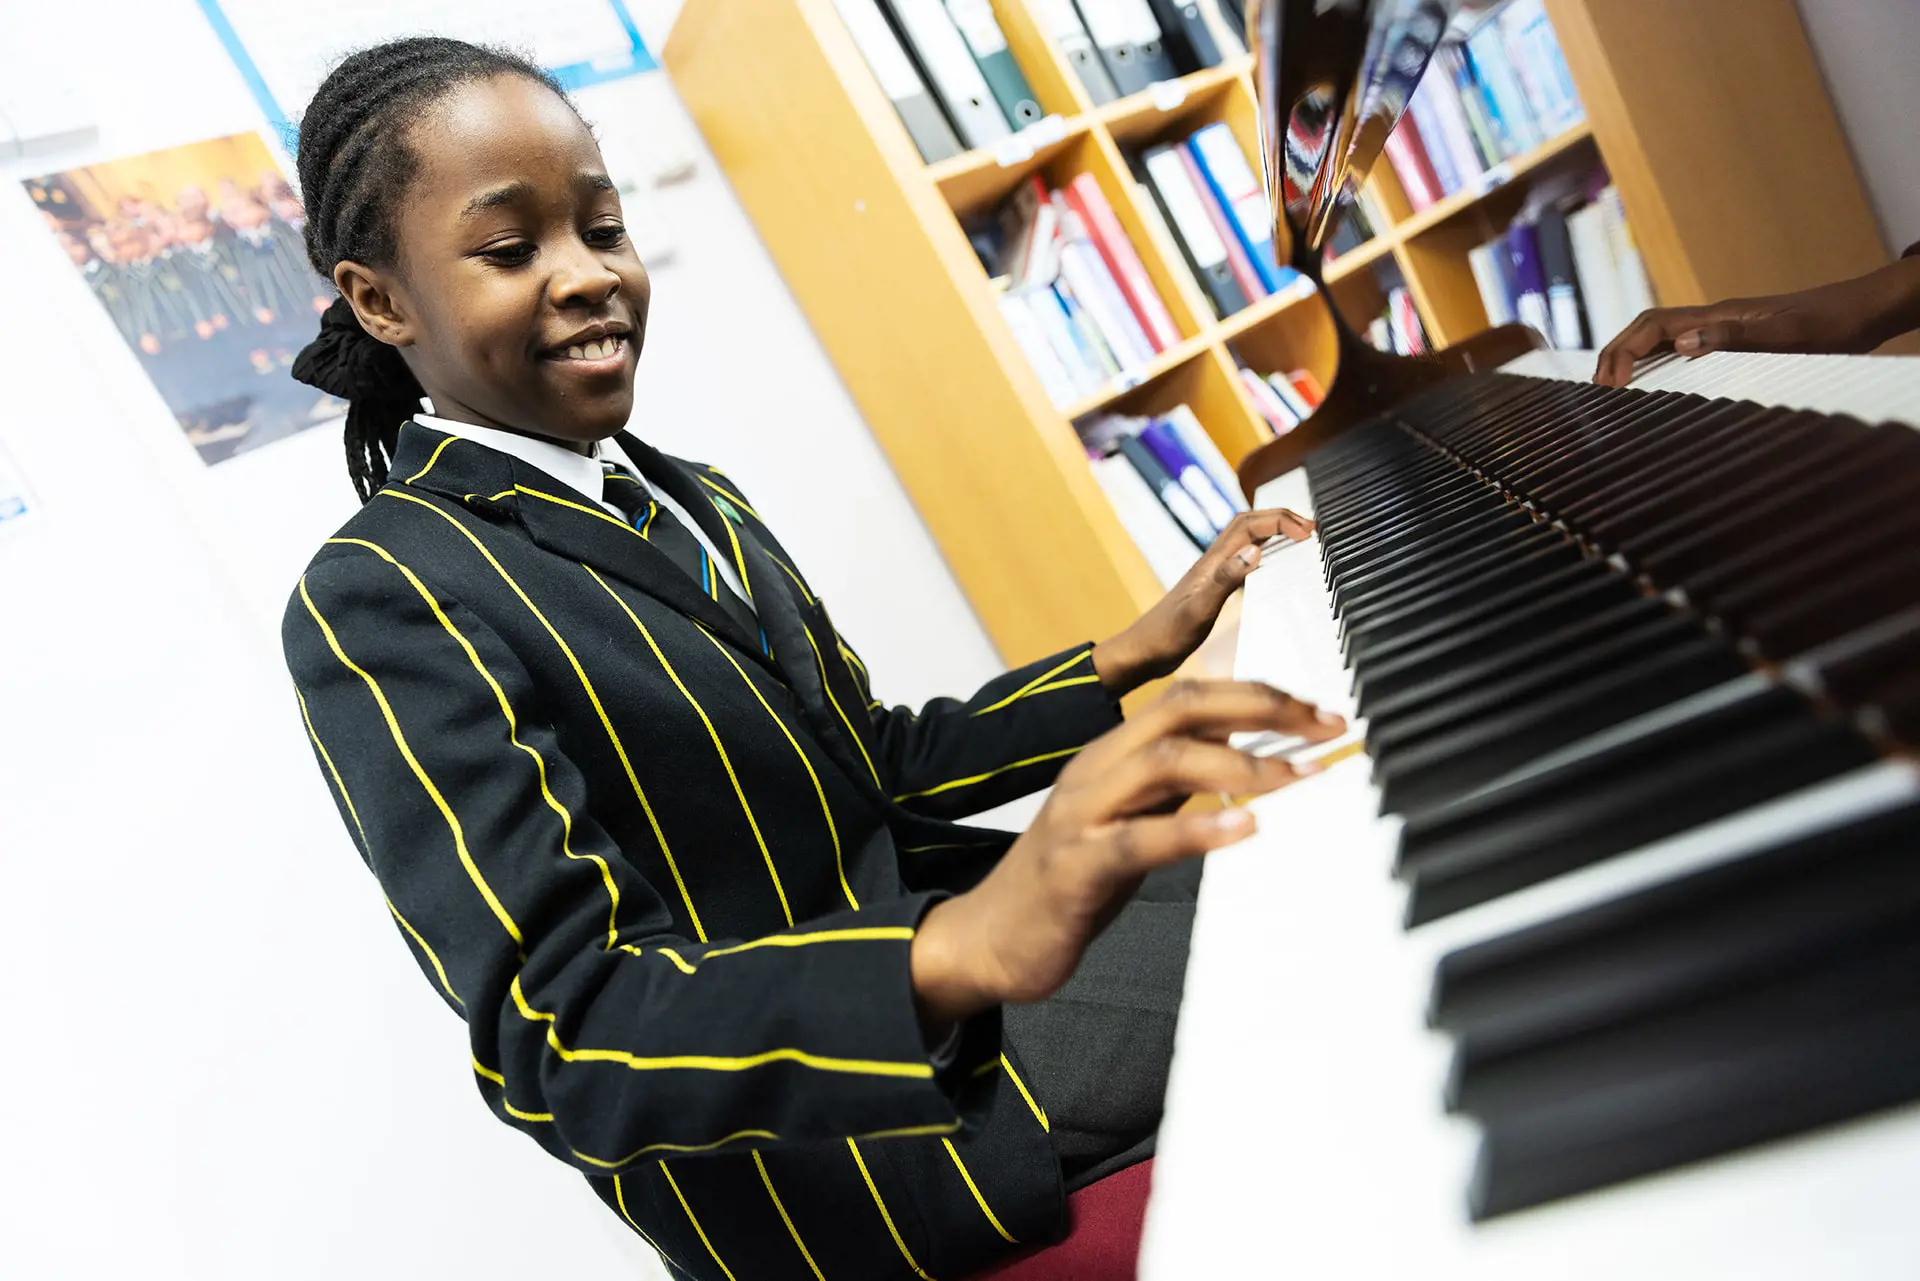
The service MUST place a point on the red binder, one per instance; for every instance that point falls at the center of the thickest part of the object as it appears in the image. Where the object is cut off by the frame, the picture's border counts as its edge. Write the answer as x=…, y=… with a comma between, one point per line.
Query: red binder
x=1237, y=261
x=1084, y=194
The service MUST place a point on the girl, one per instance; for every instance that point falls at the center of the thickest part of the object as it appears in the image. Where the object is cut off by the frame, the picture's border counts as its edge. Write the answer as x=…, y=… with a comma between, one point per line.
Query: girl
x=704, y=903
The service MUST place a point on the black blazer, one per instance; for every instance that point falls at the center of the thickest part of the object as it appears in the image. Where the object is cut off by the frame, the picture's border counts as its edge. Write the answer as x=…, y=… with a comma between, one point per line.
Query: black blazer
x=669, y=874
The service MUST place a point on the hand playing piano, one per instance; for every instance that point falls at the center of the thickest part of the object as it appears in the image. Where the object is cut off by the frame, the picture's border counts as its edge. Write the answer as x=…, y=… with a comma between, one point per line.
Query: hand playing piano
x=1019, y=934
x=1850, y=316
x=1167, y=634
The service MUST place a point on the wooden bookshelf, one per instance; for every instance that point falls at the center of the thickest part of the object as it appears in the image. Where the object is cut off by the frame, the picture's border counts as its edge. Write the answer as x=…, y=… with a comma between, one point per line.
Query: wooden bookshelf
x=1733, y=171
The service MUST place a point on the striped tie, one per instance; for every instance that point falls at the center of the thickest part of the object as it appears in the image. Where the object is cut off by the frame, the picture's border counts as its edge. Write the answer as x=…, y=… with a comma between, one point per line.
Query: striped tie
x=664, y=530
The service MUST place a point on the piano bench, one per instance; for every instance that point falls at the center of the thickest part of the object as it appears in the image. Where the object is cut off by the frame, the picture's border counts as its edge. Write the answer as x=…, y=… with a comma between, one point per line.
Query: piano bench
x=1103, y=1243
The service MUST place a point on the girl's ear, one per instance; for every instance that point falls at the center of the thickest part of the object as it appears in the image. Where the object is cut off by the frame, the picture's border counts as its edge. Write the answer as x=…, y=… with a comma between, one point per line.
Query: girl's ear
x=370, y=294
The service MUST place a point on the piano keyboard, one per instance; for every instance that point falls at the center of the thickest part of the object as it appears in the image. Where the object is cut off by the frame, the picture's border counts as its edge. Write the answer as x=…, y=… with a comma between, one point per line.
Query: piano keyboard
x=1606, y=960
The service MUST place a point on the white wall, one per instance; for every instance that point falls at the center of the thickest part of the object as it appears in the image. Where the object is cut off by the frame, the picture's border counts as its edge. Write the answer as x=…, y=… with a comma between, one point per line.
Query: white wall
x=219, y=1062
x=1869, y=52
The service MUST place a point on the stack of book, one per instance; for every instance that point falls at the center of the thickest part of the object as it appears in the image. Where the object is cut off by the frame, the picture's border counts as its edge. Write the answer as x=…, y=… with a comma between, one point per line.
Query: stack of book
x=1168, y=482
x=1284, y=400
x=1567, y=266
x=1210, y=204
x=1498, y=95
x=1077, y=297
x=947, y=68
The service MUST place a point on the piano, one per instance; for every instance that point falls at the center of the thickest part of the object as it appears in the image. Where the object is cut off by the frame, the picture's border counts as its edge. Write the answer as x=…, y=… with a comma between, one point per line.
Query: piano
x=1596, y=951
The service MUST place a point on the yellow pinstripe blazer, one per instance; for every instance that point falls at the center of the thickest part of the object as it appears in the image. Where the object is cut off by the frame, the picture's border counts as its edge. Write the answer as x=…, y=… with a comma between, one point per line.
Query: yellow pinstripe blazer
x=669, y=873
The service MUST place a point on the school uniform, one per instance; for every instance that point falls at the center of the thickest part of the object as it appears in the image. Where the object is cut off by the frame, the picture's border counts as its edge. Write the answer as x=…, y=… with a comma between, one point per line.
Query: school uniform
x=665, y=853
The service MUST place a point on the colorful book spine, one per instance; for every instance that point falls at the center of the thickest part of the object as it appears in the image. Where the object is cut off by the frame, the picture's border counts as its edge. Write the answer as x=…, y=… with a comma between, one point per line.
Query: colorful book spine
x=1183, y=422
x=1233, y=184
x=1411, y=166
x=1238, y=263
x=1185, y=468
x=1433, y=139
x=1128, y=272
x=1487, y=51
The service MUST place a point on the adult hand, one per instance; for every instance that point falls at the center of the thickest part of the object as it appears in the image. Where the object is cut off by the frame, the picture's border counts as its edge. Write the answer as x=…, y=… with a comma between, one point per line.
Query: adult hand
x=1850, y=316
x=1166, y=634
x=1018, y=935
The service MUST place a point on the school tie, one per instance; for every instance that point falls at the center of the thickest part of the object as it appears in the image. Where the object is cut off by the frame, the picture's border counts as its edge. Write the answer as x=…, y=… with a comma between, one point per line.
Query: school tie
x=664, y=530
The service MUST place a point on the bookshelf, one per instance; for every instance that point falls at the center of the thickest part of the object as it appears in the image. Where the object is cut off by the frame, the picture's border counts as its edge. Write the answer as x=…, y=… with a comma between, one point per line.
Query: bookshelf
x=869, y=239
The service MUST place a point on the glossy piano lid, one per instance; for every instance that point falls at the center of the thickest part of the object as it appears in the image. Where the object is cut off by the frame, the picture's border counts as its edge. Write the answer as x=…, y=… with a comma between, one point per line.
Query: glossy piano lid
x=1332, y=78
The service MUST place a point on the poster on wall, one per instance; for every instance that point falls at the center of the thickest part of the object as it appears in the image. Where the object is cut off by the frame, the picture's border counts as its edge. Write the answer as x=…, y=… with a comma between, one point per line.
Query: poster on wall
x=195, y=254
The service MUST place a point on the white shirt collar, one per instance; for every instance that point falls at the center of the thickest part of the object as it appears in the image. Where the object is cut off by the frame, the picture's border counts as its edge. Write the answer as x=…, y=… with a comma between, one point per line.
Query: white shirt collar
x=579, y=472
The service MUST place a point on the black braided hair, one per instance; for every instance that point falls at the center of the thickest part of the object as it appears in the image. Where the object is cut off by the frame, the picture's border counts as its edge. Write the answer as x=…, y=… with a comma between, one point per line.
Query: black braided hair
x=354, y=165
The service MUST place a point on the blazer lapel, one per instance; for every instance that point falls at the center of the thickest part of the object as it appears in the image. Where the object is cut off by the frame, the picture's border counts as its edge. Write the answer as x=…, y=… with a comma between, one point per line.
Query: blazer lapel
x=559, y=519
x=800, y=648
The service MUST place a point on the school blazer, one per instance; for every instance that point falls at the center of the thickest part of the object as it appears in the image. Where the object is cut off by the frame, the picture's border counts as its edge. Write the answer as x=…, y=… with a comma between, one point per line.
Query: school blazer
x=669, y=872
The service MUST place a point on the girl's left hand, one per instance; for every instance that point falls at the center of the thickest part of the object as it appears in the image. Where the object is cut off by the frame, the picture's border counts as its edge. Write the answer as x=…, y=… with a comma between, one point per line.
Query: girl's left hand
x=1173, y=629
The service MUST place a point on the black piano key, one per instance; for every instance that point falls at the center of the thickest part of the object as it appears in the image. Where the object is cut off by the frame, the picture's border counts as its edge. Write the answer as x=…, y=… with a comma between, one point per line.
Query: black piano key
x=1835, y=468
x=1862, y=594
x=1637, y=430
x=1780, y=1059
x=1665, y=492
x=1423, y=573
x=1755, y=917
x=1449, y=601
x=1373, y=646
x=1390, y=729
x=1580, y=600
x=1663, y=458
x=1611, y=811
x=1444, y=767
x=1497, y=663
x=1857, y=486
x=1483, y=509
x=1863, y=665
x=1570, y=467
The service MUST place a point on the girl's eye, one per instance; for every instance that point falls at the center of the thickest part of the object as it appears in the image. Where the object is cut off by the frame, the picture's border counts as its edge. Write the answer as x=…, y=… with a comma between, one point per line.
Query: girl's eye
x=512, y=254
x=608, y=236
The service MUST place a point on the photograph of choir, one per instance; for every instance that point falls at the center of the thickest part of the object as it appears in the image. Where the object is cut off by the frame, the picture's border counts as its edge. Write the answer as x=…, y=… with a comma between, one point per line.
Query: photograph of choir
x=195, y=253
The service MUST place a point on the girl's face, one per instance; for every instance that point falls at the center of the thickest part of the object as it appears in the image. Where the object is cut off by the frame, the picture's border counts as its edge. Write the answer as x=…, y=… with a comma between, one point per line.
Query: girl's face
x=517, y=296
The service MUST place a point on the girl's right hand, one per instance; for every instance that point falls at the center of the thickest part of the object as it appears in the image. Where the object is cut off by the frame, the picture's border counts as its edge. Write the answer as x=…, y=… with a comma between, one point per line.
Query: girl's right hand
x=1017, y=936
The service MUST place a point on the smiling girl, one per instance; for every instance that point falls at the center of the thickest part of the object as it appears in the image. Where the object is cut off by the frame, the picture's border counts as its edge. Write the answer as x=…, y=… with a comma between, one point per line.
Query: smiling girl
x=719, y=938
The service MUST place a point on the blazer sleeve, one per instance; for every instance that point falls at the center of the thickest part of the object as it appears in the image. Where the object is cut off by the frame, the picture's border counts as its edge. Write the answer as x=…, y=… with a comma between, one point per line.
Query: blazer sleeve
x=594, y=1025
x=953, y=758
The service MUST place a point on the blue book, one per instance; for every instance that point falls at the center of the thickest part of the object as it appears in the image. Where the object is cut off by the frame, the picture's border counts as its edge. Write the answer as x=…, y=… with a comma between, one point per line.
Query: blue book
x=1093, y=352
x=1185, y=468
x=1530, y=277
x=1231, y=179
x=1487, y=52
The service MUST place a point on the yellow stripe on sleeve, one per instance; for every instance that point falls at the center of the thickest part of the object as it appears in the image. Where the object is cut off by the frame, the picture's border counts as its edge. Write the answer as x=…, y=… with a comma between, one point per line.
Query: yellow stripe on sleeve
x=695, y=1222
x=419, y=772
x=887, y=1218
x=969, y=781
x=513, y=734
x=1039, y=1113
x=620, y=1198
x=917, y=1069
x=739, y=792
x=432, y=956
x=974, y=1188
x=1034, y=686
x=786, y=1218
x=327, y=758
x=593, y=697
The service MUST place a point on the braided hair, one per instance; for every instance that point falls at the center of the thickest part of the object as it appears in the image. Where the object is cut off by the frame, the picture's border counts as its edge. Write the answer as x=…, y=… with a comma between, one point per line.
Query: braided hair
x=354, y=165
